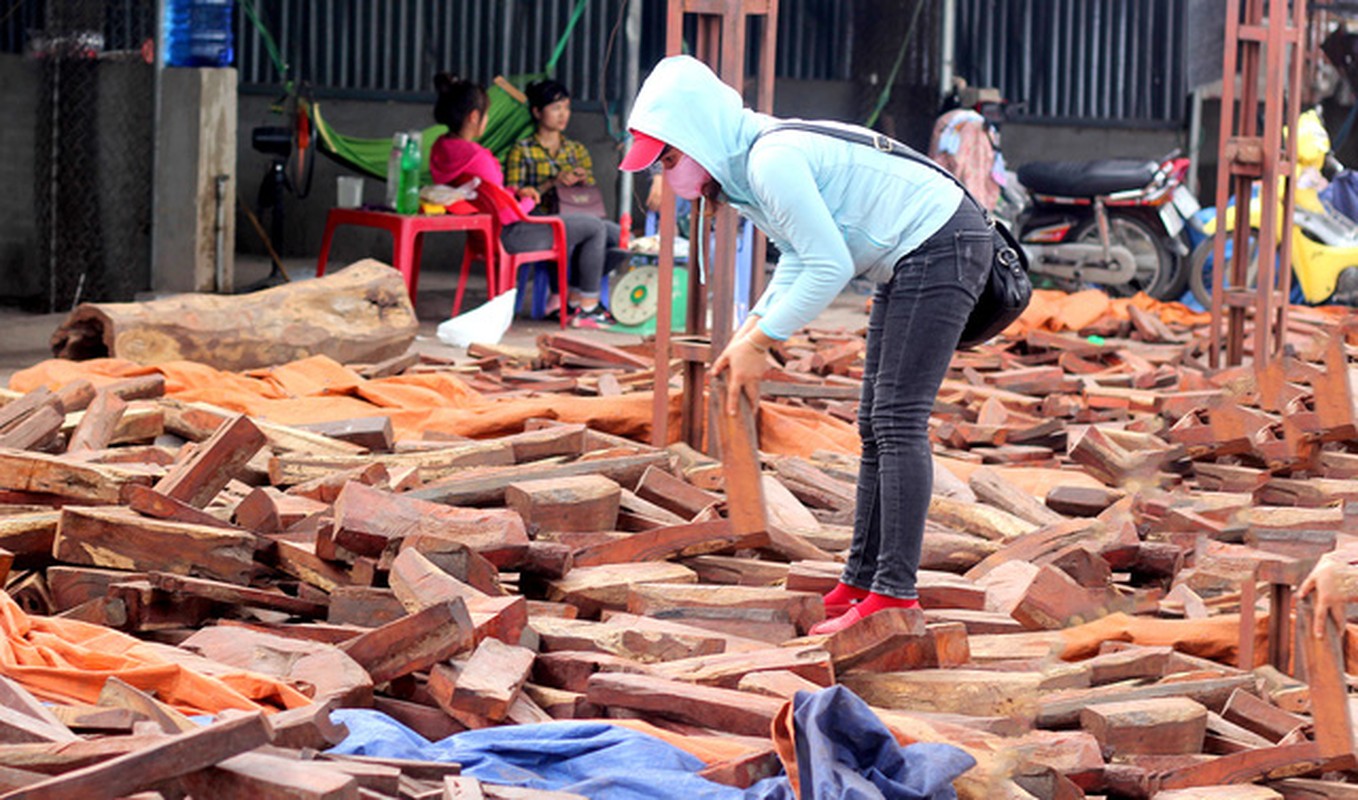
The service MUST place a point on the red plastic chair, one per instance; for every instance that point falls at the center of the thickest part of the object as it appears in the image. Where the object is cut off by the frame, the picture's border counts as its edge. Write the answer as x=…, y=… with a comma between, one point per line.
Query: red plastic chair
x=407, y=232
x=493, y=199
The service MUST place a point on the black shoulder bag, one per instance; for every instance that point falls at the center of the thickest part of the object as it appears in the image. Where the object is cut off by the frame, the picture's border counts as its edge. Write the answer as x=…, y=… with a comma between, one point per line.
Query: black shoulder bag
x=1008, y=289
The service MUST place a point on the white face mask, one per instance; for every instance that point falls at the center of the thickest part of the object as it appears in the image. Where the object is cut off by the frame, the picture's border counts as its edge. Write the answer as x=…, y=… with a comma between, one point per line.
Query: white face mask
x=687, y=178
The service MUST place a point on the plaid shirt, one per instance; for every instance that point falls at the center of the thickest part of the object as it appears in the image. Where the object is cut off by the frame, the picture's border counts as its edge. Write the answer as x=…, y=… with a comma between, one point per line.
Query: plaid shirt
x=529, y=163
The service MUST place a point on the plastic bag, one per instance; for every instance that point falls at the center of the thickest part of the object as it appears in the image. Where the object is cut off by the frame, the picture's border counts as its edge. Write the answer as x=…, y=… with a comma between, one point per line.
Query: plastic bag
x=486, y=323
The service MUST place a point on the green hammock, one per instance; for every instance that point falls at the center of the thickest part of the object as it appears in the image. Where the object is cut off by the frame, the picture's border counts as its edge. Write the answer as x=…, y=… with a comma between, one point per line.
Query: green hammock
x=507, y=122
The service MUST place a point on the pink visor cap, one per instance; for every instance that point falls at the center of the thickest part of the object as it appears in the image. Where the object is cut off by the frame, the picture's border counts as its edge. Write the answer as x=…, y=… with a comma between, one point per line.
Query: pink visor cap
x=644, y=151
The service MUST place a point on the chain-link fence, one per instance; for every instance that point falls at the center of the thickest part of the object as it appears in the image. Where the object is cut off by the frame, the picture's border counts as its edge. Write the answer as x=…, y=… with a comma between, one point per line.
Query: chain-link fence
x=93, y=149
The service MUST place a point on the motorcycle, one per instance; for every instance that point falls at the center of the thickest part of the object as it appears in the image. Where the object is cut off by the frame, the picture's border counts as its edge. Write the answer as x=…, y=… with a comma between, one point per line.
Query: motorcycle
x=1323, y=242
x=1118, y=224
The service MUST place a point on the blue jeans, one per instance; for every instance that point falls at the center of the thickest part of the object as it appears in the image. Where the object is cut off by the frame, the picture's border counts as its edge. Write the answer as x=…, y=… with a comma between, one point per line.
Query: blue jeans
x=917, y=319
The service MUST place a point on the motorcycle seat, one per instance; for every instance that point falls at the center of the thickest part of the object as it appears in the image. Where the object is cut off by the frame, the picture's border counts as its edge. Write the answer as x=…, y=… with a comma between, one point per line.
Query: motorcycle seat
x=1086, y=178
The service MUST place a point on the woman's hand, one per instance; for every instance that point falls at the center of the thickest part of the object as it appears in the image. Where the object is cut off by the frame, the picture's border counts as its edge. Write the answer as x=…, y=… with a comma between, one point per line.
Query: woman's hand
x=570, y=177
x=745, y=359
x=528, y=192
x=1328, y=580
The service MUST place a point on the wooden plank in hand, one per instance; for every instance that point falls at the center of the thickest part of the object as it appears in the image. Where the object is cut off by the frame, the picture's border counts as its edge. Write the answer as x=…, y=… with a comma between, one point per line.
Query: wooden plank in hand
x=214, y=463
x=738, y=444
x=148, y=766
x=1324, y=662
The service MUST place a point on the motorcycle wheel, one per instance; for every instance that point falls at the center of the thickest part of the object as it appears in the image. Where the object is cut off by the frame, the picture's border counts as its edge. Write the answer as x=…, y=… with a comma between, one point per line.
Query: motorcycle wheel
x=1201, y=270
x=1158, y=272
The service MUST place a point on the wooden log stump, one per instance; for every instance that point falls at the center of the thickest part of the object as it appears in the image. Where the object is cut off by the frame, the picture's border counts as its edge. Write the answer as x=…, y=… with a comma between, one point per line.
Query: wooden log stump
x=360, y=314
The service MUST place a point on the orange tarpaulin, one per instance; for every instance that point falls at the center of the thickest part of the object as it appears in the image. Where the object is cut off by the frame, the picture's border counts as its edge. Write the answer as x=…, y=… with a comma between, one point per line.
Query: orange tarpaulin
x=318, y=389
x=1216, y=638
x=1053, y=310
x=68, y=661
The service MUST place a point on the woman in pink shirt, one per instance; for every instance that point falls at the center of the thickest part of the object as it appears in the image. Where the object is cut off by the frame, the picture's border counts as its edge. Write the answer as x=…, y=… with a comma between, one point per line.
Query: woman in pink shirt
x=456, y=158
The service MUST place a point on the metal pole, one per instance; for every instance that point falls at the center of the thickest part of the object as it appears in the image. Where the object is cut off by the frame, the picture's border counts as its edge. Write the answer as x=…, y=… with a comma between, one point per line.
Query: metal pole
x=157, y=81
x=948, y=48
x=631, y=31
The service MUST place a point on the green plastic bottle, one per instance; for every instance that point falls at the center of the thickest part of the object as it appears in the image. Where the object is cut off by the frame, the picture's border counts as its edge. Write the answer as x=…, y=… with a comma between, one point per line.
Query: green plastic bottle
x=409, y=200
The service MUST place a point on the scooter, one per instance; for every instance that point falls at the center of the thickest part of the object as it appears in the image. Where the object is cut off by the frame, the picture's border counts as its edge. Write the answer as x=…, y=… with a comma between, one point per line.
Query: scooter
x=1115, y=223
x=1323, y=243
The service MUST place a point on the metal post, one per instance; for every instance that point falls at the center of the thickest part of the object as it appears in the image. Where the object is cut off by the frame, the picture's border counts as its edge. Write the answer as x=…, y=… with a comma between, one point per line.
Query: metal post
x=631, y=31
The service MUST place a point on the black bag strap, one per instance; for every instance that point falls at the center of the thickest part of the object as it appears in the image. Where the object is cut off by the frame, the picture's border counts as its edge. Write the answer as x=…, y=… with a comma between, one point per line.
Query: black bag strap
x=881, y=143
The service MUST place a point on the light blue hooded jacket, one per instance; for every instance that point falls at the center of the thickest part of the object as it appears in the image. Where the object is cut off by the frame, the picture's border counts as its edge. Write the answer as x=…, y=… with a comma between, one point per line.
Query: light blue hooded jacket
x=835, y=209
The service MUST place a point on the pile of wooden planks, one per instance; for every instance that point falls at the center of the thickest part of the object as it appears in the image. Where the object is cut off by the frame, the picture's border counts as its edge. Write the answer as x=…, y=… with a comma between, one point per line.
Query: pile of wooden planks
x=565, y=573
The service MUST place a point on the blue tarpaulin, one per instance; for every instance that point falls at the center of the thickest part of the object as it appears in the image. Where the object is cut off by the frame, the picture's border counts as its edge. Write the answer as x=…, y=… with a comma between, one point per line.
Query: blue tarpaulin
x=843, y=752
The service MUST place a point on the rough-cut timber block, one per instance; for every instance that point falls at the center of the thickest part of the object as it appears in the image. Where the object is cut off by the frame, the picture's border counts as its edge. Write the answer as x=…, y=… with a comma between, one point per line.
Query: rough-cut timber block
x=169, y=758
x=372, y=433
x=1041, y=597
x=594, y=588
x=1162, y=726
x=580, y=503
x=488, y=684
x=687, y=539
x=674, y=494
x=122, y=539
x=634, y=642
x=214, y=463
x=723, y=709
x=804, y=609
x=727, y=669
x=954, y=691
x=264, y=776
x=367, y=520
x=36, y=473
x=326, y=669
x=1233, y=792
x=419, y=583
x=413, y=643
x=29, y=536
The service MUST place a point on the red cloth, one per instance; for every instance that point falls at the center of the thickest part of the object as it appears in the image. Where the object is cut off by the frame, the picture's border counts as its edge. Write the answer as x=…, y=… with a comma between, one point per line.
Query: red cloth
x=453, y=160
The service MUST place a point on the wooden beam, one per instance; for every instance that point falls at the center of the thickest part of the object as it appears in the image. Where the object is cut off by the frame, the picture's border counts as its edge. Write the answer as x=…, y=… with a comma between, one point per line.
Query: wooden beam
x=149, y=766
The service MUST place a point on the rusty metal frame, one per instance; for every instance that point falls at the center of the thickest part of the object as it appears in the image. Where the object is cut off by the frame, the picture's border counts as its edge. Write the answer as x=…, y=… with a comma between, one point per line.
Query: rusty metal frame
x=720, y=43
x=1266, y=45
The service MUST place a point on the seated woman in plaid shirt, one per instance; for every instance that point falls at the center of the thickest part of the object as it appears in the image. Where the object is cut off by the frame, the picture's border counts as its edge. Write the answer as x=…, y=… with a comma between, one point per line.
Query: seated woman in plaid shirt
x=547, y=160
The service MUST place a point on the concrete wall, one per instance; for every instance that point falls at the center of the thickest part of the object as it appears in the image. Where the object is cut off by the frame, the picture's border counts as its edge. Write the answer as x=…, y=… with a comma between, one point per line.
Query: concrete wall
x=19, y=86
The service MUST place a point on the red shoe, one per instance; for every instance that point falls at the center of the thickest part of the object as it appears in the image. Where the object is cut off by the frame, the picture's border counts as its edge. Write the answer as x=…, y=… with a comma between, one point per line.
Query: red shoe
x=870, y=605
x=842, y=598
x=836, y=624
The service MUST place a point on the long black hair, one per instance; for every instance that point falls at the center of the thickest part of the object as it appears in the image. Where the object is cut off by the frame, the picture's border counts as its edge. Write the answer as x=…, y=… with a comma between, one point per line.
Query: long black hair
x=458, y=98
